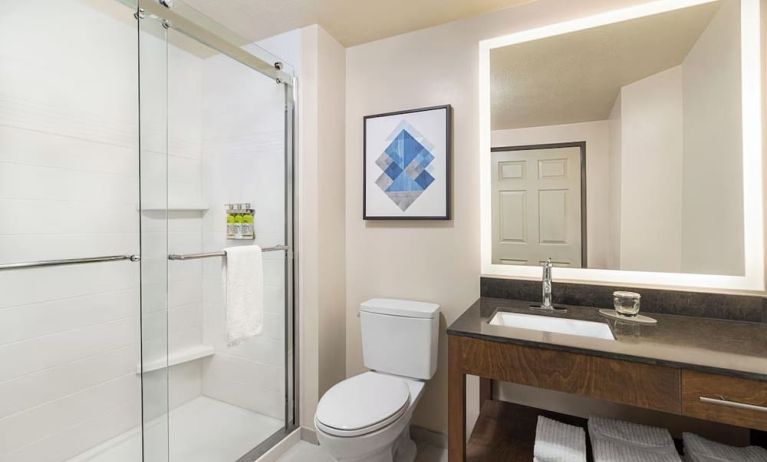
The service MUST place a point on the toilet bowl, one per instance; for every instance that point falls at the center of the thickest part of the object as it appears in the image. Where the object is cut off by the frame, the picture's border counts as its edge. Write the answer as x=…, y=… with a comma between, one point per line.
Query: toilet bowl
x=367, y=417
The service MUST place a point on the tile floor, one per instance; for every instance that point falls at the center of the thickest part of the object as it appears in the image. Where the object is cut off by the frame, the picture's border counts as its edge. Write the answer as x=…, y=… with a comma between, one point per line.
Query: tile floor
x=306, y=452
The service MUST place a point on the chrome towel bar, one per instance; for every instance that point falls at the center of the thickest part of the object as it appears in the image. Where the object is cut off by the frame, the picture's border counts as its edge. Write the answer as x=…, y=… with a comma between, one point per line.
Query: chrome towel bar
x=108, y=258
x=68, y=261
x=221, y=253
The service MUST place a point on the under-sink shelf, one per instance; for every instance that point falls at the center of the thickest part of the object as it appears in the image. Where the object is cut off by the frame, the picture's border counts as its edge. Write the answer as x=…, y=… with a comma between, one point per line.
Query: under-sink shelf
x=506, y=431
x=184, y=355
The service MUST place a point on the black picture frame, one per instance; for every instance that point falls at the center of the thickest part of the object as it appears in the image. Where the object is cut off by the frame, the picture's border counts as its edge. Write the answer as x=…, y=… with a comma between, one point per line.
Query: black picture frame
x=448, y=163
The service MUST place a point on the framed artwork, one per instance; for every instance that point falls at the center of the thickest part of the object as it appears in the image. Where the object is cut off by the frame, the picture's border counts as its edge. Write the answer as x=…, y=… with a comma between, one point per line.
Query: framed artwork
x=406, y=162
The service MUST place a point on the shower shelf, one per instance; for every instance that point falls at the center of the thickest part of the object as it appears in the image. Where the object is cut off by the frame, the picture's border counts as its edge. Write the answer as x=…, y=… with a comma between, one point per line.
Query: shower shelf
x=177, y=208
x=178, y=357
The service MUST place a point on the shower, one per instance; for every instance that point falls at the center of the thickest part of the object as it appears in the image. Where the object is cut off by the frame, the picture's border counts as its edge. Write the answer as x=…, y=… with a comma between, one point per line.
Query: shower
x=127, y=131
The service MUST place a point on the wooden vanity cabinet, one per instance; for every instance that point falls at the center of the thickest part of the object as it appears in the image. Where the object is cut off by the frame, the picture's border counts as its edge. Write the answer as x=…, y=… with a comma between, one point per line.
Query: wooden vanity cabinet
x=675, y=390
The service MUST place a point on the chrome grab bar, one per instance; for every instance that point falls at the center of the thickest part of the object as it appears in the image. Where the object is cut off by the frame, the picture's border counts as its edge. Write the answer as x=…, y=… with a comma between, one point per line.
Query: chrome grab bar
x=222, y=253
x=68, y=261
x=722, y=401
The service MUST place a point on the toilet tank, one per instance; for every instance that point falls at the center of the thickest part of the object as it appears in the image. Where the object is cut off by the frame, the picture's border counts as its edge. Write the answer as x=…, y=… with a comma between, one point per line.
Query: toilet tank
x=400, y=337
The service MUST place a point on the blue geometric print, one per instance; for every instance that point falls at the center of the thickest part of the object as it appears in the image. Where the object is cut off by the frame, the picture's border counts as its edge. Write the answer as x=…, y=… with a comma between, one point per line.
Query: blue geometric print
x=404, y=163
x=424, y=180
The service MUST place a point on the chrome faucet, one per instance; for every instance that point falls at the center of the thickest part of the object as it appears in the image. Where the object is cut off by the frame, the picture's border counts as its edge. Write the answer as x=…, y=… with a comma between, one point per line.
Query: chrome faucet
x=546, y=303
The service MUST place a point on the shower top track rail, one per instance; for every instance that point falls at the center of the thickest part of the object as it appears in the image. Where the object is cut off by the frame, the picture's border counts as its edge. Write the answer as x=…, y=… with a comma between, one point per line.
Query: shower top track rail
x=68, y=261
x=221, y=253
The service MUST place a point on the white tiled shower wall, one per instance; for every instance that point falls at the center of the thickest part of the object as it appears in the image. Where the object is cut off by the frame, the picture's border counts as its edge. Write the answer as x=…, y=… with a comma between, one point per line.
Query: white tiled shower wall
x=243, y=147
x=69, y=337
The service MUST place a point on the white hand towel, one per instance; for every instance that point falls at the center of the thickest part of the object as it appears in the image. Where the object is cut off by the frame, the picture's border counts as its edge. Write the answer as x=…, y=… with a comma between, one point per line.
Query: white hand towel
x=558, y=442
x=618, y=441
x=244, y=275
x=699, y=449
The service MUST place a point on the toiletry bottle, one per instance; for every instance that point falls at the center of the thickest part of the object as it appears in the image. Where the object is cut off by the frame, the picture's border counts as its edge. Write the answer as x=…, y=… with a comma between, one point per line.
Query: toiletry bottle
x=230, y=231
x=248, y=222
x=238, y=225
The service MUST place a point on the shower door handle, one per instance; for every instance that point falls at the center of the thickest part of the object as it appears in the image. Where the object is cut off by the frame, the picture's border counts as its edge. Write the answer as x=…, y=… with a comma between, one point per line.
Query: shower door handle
x=68, y=261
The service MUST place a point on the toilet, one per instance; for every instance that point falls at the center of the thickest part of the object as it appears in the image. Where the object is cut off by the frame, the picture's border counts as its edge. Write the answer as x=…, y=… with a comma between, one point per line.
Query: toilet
x=367, y=417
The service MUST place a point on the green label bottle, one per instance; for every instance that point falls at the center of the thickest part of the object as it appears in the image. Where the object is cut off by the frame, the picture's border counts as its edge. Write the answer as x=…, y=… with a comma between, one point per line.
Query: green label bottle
x=230, y=228
x=238, y=225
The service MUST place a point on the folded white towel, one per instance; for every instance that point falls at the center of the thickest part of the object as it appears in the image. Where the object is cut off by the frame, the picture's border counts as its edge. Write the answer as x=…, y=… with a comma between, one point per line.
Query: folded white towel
x=558, y=442
x=618, y=441
x=244, y=277
x=606, y=450
x=699, y=449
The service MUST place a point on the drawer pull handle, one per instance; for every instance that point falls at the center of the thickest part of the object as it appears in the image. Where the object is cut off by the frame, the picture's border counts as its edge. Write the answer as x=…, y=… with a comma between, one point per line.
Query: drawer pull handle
x=722, y=401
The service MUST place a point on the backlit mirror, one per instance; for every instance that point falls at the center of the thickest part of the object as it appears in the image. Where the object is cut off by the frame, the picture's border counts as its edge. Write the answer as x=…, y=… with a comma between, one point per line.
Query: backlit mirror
x=619, y=146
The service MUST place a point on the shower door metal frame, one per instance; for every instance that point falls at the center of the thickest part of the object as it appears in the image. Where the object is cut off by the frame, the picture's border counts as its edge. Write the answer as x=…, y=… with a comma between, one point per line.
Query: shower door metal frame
x=171, y=20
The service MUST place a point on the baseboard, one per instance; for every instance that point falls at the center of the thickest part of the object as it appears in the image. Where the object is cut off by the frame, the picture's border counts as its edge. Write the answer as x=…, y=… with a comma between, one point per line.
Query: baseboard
x=281, y=448
x=309, y=435
x=430, y=437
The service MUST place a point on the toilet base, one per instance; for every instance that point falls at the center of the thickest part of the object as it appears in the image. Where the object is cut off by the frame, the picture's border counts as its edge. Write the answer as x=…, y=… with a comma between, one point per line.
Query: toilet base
x=403, y=450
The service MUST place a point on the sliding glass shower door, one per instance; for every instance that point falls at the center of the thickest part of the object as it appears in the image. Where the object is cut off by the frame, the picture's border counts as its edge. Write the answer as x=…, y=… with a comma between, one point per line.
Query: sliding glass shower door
x=124, y=134
x=216, y=170
x=69, y=230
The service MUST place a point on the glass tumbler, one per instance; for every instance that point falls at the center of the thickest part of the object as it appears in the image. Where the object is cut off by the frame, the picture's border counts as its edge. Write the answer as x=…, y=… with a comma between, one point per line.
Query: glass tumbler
x=626, y=303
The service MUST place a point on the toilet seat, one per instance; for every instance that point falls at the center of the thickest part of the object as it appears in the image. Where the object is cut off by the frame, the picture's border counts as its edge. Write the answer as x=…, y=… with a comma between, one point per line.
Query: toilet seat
x=362, y=404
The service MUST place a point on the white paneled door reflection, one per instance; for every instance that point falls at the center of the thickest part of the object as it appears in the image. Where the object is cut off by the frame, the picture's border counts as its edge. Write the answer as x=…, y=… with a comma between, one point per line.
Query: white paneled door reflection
x=537, y=204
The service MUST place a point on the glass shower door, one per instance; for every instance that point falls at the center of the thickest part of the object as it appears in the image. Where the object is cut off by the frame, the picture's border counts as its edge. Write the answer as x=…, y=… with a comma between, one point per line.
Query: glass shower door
x=153, y=157
x=69, y=291
x=215, y=139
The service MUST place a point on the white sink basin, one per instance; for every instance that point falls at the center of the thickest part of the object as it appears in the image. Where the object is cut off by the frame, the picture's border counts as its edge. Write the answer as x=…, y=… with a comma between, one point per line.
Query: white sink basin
x=553, y=325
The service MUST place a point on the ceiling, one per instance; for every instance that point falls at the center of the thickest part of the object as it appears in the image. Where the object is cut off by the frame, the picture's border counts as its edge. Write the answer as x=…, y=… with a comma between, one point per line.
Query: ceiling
x=576, y=77
x=351, y=22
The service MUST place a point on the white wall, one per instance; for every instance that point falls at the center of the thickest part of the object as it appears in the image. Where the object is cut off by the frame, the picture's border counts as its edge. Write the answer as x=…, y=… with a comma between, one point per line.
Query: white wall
x=68, y=188
x=614, y=155
x=712, y=234
x=427, y=67
x=596, y=136
x=321, y=191
x=651, y=168
x=332, y=205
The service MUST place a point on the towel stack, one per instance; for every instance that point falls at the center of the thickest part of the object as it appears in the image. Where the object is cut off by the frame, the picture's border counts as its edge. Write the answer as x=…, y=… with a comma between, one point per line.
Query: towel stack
x=698, y=449
x=558, y=442
x=618, y=441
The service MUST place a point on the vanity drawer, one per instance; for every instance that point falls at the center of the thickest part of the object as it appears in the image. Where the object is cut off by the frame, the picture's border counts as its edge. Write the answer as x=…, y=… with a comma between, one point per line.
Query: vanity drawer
x=724, y=399
x=644, y=385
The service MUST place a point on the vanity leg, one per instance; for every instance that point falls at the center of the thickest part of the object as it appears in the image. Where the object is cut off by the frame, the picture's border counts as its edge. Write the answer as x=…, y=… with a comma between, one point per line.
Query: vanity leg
x=456, y=401
x=759, y=438
x=485, y=390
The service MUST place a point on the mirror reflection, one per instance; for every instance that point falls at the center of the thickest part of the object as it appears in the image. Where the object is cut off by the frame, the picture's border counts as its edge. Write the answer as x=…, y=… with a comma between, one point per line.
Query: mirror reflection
x=619, y=147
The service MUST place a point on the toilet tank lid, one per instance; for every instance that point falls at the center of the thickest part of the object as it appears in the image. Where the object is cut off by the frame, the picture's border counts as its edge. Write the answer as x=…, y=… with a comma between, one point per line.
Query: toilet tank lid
x=404, y=308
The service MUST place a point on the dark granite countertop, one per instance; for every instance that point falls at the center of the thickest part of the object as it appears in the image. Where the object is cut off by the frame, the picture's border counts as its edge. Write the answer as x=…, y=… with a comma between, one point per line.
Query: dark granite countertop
x=735, y=348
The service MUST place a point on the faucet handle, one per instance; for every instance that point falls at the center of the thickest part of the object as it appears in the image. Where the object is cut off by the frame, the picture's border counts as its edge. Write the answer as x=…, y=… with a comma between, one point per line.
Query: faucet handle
x=547, y=263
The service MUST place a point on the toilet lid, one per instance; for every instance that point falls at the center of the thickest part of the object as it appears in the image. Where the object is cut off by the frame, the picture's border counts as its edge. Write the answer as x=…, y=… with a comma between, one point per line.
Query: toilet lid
x=362, y=404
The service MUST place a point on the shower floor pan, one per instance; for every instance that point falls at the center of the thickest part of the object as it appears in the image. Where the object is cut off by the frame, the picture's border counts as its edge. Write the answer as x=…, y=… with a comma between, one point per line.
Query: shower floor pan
x=201, y=430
